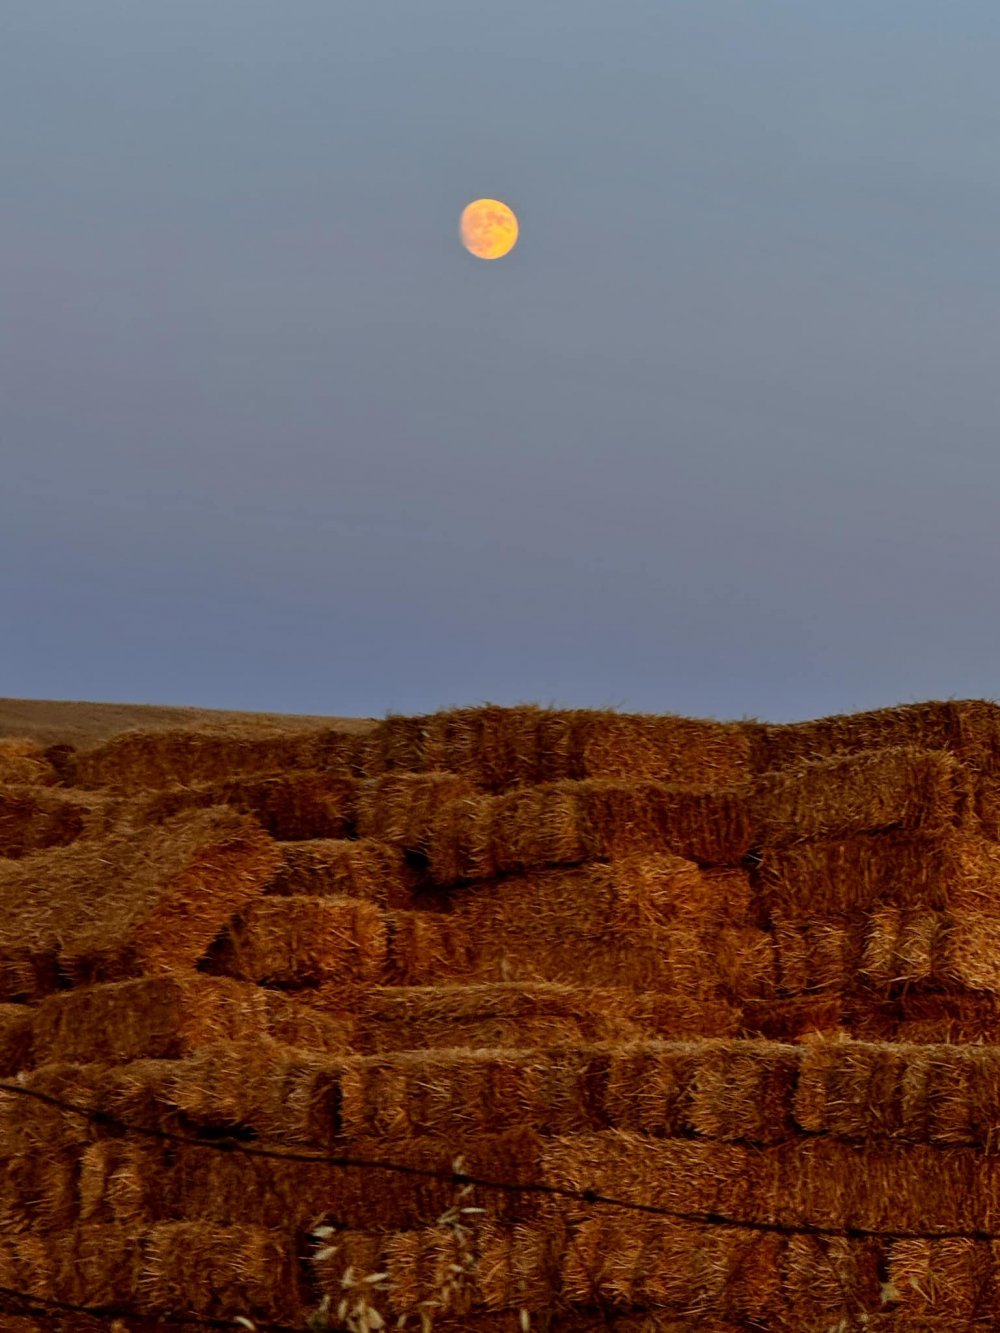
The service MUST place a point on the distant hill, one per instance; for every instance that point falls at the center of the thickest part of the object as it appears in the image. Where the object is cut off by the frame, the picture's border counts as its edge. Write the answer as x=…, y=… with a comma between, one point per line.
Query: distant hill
x=82, y=724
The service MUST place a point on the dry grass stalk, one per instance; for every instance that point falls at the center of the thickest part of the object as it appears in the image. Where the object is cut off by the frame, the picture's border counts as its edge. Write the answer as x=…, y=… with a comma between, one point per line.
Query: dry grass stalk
x=953, y=1277
x=148, y=902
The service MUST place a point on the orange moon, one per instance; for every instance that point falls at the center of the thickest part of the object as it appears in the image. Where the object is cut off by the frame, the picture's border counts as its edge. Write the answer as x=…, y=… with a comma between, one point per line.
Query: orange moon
x=488, y=228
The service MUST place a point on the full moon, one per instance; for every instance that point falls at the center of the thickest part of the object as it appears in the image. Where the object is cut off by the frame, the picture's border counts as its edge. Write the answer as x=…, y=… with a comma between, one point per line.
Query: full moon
x=488, y=228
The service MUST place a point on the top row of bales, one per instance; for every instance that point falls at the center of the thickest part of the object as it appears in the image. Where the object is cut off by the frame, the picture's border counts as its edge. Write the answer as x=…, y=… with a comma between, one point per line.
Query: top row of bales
x=497, y=749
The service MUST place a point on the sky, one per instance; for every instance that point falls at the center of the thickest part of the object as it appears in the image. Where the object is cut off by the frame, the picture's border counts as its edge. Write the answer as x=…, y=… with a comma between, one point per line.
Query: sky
x=718, y=437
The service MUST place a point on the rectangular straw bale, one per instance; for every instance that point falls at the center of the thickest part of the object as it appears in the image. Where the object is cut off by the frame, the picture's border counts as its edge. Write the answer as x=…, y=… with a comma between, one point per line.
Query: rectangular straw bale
x=345, y=868
x=640, y=1262
x=23, y=762
x=38, y=1191
x=567, y=823
x=896, y=1188
x=745, y=1090
x=160, y=1017
x=407, y=1093
x=793, y=1017
x=949, y=1016
x=680, y=1175
x=301, y=940
x=290, y=806
x=398, y=808
x=143, y=1182
x=968, y=951
x=485, y=941
x=822, y=954
x=139, y=760
x=952, y=1276
x=967, y=728
x=149, y=901
x=679, y=1017
x=496, y=1014
x=292, y=1020
x=17, y=1039
x=706, y=825
x=34, y=818
x=832, y=1282
x=281, y=1093
x=513, y=1267
x=500, y=748
x=651, y=1086
x=921, y=791
x=680, y=751
x=215, y=1271
x=29, y=1125
x=632, y=895
x=952, y=869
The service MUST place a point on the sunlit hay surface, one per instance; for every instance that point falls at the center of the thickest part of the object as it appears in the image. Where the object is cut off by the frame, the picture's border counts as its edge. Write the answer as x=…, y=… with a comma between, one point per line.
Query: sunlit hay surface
x=744, y=976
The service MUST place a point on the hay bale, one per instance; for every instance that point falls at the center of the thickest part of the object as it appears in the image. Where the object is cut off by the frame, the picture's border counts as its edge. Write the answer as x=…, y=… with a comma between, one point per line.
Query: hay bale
x=17, y=1045
x=140, y=760
x=498, y=1014
x=214, y=1271
x=969, y=729
x=38, y=1192
x=791, y=1018
x=903, y=788
x=33, y=819
x=947, y=1095
x=139, y=1183
x=897, y=1189
x=23, y=762
x=398, y=809
x=145, y=902
x=675, y=1267
x=500, y=748
x=125, y=904
x=952, y=869
x=290, y=806
x=510, y=1267
x=162, y=1017
x=300, y=940
x=407, y=1094
x=32, y=1127
x=729, y=1090
x=566, y=823
x=834, y=1280
x=953, y=1277
x=490, y=940
x=345, y=868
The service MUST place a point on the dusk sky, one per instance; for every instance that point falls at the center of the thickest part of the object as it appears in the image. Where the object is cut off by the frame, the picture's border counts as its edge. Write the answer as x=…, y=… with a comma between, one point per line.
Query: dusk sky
x=718, y=437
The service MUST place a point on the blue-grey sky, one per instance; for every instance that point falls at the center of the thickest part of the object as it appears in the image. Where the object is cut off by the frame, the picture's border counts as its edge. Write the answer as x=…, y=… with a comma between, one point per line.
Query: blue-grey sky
x=718, y=437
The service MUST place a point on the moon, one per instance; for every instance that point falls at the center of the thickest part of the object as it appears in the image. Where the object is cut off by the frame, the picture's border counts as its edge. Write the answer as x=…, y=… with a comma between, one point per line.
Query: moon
x=488, y=228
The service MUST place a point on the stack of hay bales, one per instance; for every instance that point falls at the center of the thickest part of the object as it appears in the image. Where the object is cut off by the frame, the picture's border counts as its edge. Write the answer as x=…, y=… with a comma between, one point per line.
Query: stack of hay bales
x=745, y=978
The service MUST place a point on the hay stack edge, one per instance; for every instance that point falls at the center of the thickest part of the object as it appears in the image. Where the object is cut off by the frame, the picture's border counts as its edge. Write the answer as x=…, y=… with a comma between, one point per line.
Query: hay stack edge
x=745, y=977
